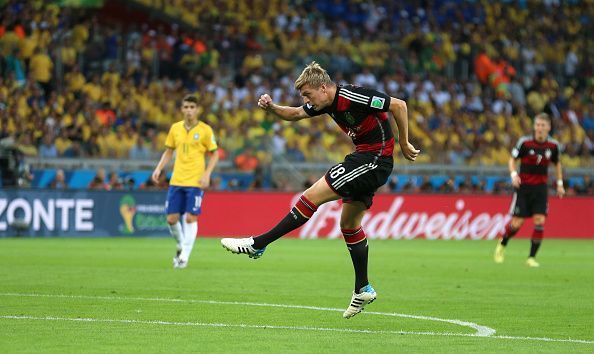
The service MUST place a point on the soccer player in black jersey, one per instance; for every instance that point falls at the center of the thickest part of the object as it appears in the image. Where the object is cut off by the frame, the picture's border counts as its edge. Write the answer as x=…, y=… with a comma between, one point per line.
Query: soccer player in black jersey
x=535, y=152
x=362, y=114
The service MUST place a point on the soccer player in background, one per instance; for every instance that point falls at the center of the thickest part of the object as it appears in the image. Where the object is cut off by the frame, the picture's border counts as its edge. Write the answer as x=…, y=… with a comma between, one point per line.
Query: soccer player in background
x=362, y=114
x=192, y=141
x=535, y=152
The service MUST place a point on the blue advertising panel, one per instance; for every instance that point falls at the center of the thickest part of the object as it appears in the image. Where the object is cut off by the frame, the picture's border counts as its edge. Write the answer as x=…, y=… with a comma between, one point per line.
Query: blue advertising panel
x=82, y=213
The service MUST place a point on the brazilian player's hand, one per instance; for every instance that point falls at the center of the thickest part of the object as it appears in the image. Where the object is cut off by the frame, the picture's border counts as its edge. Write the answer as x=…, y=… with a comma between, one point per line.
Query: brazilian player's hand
x=409, y=151
x=155, y=176
x=205, y=181
x=265, y=101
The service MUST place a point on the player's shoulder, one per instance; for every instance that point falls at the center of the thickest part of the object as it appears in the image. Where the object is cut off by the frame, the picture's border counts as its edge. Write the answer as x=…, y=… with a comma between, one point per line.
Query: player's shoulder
x=204, y=126
x=177, y=125
x=524, y=139
x=362, y=95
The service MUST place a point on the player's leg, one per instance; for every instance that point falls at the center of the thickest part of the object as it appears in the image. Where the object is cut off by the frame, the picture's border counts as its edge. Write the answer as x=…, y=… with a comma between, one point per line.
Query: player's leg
x=510, y=230
x=303, y=210
x=536, y=240
x=173, y=208
x=519, y=211
x=316, y=195
x=193, y=205
x=539, y=207
x=354, y=236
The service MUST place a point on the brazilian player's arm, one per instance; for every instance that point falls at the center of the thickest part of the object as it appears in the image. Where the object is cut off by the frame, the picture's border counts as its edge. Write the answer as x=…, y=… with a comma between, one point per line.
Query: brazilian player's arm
x=213, y=159
x=400, y=112
x=283, y=112
x=165, y=158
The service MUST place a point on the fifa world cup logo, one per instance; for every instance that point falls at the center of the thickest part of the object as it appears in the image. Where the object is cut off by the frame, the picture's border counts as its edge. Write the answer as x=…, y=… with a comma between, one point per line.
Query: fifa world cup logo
x=128, y=210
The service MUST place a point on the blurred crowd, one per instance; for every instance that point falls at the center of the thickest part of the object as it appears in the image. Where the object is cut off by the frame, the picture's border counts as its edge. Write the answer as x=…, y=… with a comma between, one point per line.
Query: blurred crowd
x=411, y=184
x=75, y=83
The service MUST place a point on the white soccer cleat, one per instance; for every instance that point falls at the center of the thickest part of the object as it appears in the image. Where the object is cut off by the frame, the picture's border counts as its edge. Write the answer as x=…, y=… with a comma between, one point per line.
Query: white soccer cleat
x=242, y=246
x=358, y=301
x=178, y=261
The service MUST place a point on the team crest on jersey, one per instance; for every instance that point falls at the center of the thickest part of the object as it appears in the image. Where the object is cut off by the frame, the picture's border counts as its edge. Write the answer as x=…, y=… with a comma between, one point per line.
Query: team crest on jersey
x=349, y=117
x=196, y=136
x=377, y=102
x=531, y=152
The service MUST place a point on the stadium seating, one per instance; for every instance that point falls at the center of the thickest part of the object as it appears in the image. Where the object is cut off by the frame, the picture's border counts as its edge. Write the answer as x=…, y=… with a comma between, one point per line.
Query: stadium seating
x=120, y=105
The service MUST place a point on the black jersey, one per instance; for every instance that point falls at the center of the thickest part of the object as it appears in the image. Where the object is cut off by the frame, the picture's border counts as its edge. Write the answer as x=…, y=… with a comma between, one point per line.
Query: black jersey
x=362, y=114
x=535, y=158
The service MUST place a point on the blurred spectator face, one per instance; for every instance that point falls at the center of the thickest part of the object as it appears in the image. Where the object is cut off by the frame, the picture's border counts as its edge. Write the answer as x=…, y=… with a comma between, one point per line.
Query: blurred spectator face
x=542, y=127
x=60, y=175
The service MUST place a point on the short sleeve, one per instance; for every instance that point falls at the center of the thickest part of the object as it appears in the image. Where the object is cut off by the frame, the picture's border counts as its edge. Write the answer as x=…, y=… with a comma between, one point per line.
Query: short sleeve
x=517, y=151
x=312, y=112
x=170, y=140
x=211, y=144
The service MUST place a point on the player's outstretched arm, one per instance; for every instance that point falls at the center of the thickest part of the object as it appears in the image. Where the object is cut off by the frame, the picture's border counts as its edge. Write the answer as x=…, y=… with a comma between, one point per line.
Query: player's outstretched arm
x=399, y=110
x=283, y=112
x=165, y=158
x=515, y=178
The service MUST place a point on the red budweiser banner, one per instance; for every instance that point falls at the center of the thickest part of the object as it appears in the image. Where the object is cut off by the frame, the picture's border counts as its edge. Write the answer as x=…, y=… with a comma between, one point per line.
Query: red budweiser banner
x=394, y=216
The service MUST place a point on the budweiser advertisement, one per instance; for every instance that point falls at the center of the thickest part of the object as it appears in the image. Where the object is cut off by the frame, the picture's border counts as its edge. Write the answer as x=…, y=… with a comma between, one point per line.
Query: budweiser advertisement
x=447, y=217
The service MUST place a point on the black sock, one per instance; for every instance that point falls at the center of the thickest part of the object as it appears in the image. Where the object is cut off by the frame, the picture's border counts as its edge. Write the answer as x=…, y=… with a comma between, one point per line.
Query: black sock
x=358, y=248
x=534, y=246
x=509, y=233
x=537, y=234
x=299, y=214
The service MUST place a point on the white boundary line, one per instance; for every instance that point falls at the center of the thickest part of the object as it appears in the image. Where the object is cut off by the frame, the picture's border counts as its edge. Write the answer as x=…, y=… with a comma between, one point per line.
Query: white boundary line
x=481, y=331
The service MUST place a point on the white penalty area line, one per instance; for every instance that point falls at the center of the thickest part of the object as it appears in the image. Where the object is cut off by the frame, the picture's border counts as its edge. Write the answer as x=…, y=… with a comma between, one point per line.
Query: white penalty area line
x=481, y=331
x=294, y=328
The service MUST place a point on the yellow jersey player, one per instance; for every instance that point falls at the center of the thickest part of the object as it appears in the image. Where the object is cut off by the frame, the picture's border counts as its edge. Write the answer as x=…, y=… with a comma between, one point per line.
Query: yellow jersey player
x=192, y=141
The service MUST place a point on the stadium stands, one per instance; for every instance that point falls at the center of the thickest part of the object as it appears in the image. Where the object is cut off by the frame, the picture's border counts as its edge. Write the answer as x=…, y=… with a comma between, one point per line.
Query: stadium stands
x=87, y=83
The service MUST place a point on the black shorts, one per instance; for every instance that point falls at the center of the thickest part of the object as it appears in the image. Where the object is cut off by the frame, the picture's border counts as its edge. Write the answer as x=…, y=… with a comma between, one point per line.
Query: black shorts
x=530, y=200
x=359, y=176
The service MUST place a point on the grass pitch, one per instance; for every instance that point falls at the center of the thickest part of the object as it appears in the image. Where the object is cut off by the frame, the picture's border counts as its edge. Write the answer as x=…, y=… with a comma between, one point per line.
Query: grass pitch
x=121, y=295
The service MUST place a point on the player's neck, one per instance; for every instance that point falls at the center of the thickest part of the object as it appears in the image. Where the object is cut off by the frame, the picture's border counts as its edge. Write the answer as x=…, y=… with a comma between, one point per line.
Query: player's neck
x=189, y=124
x=332, y=93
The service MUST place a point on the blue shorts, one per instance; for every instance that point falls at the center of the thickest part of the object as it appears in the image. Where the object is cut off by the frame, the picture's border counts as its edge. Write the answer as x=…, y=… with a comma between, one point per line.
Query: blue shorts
x=182, y=200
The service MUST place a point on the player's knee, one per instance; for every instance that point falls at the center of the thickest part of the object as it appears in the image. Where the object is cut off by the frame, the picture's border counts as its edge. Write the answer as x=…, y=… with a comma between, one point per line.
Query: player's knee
x=348, y=224
x=517, y=223
x=172, y=219
x=190, y=218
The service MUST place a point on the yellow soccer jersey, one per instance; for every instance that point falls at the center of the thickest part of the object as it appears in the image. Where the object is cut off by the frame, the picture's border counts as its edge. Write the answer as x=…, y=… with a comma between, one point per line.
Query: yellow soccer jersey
x=190, y=147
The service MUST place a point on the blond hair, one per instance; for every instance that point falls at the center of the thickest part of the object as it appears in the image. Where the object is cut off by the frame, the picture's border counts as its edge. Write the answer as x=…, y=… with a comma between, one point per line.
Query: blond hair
x=313, y=75
x=543, y=116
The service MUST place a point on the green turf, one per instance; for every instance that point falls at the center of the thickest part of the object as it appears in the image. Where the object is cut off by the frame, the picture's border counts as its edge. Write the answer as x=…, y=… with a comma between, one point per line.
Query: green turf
x=105, y=279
